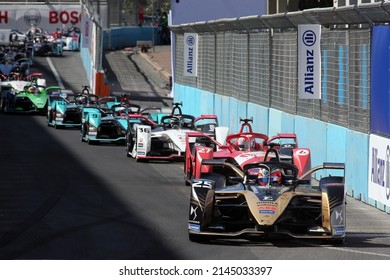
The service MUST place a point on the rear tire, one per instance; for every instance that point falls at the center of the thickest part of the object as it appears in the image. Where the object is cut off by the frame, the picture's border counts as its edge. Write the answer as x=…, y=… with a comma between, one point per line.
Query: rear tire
x=198, y=238
x=335, y=241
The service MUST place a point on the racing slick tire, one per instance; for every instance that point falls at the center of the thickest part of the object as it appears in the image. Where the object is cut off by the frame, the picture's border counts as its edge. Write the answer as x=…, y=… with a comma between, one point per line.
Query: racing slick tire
x=198, y=238
x=129, y=146
x=56, y=126
x=92, y=142
x=82, y=133
x=334, y=241
x=2, y=104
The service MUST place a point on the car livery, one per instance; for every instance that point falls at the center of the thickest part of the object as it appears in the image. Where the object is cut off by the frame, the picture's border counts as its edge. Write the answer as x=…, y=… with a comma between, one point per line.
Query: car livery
x=243, y=148
x=266, y=199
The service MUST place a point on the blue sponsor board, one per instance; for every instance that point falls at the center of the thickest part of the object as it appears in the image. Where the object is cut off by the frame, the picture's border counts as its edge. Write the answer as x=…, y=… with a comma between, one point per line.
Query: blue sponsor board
x=380, y=82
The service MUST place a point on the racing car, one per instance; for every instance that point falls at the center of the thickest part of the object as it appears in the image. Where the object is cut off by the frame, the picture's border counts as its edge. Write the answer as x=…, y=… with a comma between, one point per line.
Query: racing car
x=64, y=108
x=105, y=123
x=24, y=96
x=243, y=148
x=45, y=44
x=266, y=199
x=167, y=140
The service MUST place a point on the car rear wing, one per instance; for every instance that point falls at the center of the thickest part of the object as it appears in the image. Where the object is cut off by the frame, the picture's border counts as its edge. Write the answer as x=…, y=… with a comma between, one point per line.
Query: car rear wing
x=224, y=163
x=325, y=165
x=280, y=136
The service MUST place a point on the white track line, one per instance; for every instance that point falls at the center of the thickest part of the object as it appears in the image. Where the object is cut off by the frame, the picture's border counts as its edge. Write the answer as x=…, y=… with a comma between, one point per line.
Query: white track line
x=54, y=70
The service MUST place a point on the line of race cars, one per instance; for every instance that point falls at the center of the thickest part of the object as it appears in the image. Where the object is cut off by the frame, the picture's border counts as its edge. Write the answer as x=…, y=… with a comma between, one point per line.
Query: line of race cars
x=243, y=185
x=21, y=90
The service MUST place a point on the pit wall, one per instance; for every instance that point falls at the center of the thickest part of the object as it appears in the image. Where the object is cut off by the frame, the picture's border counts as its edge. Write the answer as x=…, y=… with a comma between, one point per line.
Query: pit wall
x=329, y=143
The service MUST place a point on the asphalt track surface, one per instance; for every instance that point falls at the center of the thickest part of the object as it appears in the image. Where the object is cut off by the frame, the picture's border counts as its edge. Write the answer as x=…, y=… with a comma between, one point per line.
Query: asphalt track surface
x=63, y=199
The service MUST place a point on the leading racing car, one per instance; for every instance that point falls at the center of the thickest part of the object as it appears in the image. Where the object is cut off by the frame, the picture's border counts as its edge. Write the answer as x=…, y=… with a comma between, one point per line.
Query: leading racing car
x=266, y=199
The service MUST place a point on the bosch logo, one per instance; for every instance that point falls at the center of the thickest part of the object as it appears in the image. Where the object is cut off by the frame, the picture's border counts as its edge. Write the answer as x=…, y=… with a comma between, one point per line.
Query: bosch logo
x=32, y=17
x=190, y=40
x=309, y=38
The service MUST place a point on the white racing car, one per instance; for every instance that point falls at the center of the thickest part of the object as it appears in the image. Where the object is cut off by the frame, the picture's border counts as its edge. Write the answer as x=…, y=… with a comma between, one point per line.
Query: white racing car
x=167, y=140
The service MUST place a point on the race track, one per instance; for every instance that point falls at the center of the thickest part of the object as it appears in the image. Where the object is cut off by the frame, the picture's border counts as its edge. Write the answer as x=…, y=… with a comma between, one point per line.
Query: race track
x=61, y=198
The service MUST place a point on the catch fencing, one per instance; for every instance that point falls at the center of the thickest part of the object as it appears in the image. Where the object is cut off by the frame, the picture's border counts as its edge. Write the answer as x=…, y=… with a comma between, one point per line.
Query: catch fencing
x=255, y=59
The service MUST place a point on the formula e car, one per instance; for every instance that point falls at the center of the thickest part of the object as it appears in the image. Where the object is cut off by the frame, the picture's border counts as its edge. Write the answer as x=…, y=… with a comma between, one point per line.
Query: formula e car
x=266, y=199
x=243, y=148
x=106, y=123
x=167, y=140
x=24, y=97
x=45, y=44
x=64, y=108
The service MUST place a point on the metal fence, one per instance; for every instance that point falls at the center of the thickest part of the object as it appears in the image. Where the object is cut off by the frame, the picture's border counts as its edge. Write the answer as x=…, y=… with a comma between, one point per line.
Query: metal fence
x=254, y=59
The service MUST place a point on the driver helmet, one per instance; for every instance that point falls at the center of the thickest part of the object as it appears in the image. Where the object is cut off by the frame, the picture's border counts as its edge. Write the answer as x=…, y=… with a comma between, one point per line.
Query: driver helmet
x=33, y=90
x=175, y=123
x=242, y=143
x=264, y=178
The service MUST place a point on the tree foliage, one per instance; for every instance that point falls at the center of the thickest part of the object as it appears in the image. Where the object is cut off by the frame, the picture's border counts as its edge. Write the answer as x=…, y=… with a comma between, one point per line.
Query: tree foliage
x=150, y=6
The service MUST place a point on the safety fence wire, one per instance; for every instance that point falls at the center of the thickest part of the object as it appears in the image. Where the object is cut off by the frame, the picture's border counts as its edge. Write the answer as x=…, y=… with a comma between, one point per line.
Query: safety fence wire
x=240, y=69
x=220, y=68
x=284, y=71
x=359, y=79
x=259, y=77
x=260, y=66
x=207, y=63
x=228, y=66
x=335, y=64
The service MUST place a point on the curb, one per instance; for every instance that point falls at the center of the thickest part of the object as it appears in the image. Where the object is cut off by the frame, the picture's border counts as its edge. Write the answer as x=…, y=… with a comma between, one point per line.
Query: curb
x=166, y=75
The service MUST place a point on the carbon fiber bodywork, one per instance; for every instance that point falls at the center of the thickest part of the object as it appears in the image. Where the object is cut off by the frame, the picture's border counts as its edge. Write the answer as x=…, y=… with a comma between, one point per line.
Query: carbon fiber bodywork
x=230, y=203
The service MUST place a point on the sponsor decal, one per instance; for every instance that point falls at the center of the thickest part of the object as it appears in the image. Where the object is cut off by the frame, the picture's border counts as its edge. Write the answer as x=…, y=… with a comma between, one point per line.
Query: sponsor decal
x=202, y=184
x=64, y=17
x=46, y=17
x=194, y=227
x=190, y=54
x=193, y=212
x=86, y=29
x=267, y=209
x=309, y=61
x=254, y=189
x=338, y=230
x=302, y=152
x=32, y=17
x=379, y=170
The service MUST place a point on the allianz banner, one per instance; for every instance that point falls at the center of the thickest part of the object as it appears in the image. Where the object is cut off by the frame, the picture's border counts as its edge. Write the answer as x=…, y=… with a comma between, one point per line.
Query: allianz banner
x=191, y=54
x=379, y=169
x=309, y=61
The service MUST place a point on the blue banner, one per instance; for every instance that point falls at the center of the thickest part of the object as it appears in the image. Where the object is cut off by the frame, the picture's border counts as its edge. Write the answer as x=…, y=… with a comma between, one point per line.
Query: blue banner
x=380, y=86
